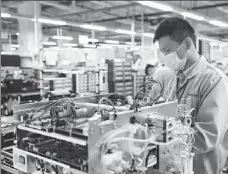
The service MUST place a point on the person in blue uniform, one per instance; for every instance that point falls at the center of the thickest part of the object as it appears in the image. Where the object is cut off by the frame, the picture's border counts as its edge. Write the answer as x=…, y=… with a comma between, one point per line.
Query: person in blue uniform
x=205, y=85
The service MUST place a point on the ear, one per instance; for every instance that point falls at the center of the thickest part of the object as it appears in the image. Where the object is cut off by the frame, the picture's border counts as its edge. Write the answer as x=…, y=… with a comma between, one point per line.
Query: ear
x=188, y=42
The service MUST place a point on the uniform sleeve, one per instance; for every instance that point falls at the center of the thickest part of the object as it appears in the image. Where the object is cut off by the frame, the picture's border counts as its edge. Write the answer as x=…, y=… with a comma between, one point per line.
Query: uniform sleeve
x=211, y=119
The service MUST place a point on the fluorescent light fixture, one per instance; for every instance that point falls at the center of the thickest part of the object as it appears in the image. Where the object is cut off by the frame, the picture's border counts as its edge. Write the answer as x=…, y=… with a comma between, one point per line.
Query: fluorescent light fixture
x=112, y=41
x=90, y=46
x=193, y=16
x=92, y=40
x=62, y=37
x=5, y=15
x=69, y=45
x=156, y=5
x=49, y=21
x=49, y=43
x=129, y=43
x=15, y=46
x=105, y=46
x=218, y=23
x=214, y=44
x=93, y=27
x=124, y=31
x=148, y=34
x=114, y=45
x=18, y=34
x=13, y=49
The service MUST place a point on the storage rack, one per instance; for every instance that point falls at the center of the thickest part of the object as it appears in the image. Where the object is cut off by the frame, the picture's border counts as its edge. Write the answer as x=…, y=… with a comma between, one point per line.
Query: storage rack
x=85, y=82
x=120, y=77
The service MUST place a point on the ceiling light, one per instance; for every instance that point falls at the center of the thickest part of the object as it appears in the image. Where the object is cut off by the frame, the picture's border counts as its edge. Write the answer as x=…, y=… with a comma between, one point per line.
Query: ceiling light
x=214, y=43
x=49, y=21
x=62, y=37
x=148, y=34
x=105, y=46
x=69, y=45
x=5, y=15
x=114, y=45
x=218, y=23
x=92, y=40
x=15, y=46
x=156, y=5
x=49, y=43
x=193, y=16
x=17, y=34
x=112, y=41
x=125, y=31
x=129, y=43
x=93, y=27
x=90, y=46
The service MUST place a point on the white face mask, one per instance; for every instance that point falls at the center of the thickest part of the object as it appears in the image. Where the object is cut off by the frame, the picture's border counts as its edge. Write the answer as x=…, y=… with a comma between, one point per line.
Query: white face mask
x=172, y=61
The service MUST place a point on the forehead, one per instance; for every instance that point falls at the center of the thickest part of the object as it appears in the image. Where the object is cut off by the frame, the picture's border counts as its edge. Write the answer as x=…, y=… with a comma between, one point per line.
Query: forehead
x=166, y=43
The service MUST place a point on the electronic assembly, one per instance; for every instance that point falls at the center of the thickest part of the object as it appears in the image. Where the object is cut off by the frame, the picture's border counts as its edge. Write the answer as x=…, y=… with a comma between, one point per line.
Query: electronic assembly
x=111, y=135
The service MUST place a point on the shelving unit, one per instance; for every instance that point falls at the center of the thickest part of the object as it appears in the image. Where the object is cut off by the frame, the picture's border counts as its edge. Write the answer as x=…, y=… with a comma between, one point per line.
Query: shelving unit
x=120, y=77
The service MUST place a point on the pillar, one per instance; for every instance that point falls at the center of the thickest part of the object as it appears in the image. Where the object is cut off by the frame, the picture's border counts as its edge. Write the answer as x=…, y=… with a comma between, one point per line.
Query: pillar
x=30, y=31
x=133, y=30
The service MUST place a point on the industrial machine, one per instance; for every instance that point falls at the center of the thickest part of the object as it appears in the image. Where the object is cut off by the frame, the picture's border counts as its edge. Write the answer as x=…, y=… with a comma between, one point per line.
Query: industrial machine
x=67, y=136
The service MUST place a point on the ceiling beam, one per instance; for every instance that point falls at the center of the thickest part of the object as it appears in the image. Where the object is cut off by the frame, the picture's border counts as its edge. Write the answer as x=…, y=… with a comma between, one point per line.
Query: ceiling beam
x=221, y=35
x=209, y=6
x=159, y=13
x=126, y=17
x=59, y=6
x=98, y=10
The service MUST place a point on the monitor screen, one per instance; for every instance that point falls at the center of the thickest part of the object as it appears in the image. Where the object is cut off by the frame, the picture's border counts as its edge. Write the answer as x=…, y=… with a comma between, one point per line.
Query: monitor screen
x=10, y=60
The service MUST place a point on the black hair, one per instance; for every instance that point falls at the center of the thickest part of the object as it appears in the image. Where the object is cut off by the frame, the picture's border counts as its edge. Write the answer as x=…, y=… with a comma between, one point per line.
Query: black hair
x=176, y=28
x=147, y=67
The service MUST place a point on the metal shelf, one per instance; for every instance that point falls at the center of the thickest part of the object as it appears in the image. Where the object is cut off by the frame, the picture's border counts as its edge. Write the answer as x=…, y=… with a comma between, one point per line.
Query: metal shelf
x=55, y=135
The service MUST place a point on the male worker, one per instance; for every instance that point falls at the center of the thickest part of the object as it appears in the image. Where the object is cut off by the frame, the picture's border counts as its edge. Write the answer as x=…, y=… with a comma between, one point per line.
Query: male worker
x=205, y=85
x=162, y=75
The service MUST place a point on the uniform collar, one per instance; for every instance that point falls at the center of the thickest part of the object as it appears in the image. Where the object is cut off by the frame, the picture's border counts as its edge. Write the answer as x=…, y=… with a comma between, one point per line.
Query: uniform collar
x=192, y=70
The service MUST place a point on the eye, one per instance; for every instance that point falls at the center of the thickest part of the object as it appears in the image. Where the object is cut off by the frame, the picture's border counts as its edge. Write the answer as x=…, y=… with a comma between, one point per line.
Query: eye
x=167, y=51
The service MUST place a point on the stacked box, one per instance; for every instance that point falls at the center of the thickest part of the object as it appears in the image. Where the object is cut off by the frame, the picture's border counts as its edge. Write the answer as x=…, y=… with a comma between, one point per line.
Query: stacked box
x=60, y=84
x=92, y=82
x=84, y=83
x=120, y=77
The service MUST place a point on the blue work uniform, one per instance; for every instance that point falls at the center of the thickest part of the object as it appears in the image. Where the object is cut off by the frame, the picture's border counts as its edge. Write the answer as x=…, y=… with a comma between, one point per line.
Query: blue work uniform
x=207, y=88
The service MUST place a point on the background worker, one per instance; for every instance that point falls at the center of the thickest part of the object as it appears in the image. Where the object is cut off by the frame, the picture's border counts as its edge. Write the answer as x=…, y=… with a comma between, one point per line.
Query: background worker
x=161, y=74
x=205, y=85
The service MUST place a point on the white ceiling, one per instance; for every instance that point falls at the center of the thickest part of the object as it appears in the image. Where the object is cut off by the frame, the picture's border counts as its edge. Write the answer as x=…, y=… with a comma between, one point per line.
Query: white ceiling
x=117, y=14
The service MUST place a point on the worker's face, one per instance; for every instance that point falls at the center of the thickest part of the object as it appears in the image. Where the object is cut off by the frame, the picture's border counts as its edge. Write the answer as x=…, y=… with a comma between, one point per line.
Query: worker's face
x=174, y=54
x=150, y=71
x=167, y=46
